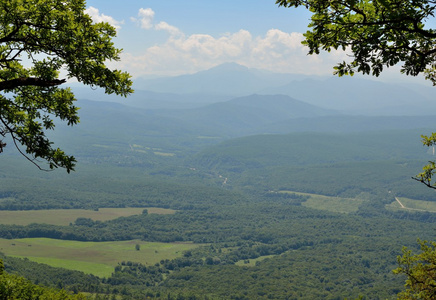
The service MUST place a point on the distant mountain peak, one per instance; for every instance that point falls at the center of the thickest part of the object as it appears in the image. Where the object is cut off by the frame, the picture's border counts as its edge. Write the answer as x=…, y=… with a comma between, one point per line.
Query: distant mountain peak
x=230, y=65
x=224, y=79
x=227, y=68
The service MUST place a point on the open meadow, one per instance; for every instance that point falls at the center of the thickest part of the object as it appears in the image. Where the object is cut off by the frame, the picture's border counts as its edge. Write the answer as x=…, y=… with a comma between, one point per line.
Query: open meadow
x=334, y=204
x=97, y=258
x=67, y=216
x=411, y=204
x=252, y=262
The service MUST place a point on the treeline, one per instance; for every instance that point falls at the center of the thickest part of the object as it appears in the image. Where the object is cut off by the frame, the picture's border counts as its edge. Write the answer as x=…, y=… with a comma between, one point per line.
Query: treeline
x=92, y=192
x=45, y=275
x=335, y=267
x=324, y=271
x=44, y=282
x=17, y=287
x=267, y=219
x=376, y=180
x=223, y=223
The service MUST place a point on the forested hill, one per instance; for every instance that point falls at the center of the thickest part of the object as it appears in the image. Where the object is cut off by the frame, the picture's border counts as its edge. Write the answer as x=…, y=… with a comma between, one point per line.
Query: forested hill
x=246, y=115
x=256, y=114
x=347, y=165
x=299, y=149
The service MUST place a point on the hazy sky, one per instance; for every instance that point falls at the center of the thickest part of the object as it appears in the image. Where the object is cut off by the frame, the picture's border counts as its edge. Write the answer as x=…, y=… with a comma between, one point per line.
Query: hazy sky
x=175, y=37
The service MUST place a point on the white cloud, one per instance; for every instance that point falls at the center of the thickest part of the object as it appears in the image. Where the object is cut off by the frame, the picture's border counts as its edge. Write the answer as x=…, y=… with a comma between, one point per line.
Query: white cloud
x=145, y=18
x=172, y=30
x=277, y=51
x=97, y=17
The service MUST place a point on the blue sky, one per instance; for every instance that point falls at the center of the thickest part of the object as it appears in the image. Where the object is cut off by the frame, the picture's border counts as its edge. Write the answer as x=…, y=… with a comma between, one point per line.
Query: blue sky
x=173, y=37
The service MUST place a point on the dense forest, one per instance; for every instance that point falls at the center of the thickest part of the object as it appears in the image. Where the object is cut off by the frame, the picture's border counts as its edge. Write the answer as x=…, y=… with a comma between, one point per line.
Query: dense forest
x=249, y=203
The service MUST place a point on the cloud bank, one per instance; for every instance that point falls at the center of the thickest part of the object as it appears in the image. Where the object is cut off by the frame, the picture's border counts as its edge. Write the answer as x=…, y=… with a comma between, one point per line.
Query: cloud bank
x=145, y=18
x=276, y=50
x=98, y=17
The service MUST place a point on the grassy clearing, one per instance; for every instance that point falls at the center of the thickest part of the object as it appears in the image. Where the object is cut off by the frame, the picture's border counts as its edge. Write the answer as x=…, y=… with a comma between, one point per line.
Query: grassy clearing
x=101, y=146
x=335, y=204
x=98, y=258
x=67, y=216
x=252, y=262
x=100, y=270
x=164, y=154
x=411, y=204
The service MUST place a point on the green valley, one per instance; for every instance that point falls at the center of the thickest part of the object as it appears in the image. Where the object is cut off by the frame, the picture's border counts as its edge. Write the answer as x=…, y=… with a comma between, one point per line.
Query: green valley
x=157, y=210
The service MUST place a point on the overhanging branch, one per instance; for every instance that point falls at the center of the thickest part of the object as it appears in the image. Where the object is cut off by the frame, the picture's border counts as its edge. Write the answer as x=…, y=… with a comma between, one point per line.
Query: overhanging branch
x=27, y=81
x=425, y=183
x=14, y=140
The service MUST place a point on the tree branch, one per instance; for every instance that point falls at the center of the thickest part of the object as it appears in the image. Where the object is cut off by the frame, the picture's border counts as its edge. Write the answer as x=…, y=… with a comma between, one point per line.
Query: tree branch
x=425, y=183
x=9, y=37
x=27, y=81
x=14, y=140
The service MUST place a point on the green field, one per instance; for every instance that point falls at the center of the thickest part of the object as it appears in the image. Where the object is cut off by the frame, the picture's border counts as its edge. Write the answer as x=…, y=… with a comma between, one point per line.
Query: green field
x=98, y=258
x=163, y=153
x=252, y=262
x=411, y=204
x=67, y=216
x=335, y=204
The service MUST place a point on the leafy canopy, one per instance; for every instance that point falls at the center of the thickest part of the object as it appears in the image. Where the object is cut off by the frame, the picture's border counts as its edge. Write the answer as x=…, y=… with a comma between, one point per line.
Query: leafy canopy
x=13, y=287
x=379, y=34
x=420, y=270
x=38, y=39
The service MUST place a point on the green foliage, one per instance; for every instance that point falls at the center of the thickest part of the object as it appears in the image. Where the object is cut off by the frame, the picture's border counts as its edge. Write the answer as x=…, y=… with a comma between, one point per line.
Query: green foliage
x=430, y=169
x=50, y=35
x=45, y=275
x=322, y=271
x=13, y=287
x=379, y=33
x=420, y=271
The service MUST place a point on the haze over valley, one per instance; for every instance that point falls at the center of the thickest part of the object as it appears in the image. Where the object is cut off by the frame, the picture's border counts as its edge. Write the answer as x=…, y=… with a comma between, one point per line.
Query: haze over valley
x=258, y=170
